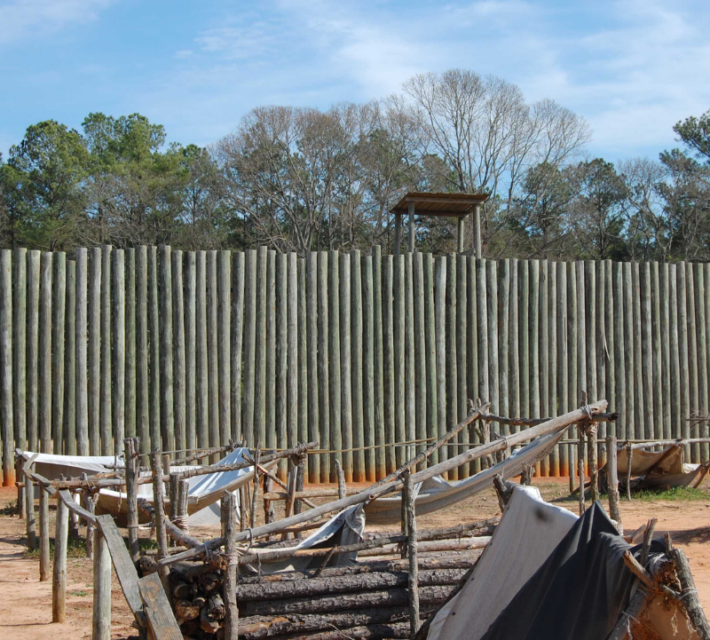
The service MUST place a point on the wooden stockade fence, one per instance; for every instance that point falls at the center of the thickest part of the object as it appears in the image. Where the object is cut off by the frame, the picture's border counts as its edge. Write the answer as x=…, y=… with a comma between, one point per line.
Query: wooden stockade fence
x=358, y=352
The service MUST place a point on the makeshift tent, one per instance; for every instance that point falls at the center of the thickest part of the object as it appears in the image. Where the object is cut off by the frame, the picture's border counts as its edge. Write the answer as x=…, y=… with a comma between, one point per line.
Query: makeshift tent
x=205, y=490
x=663, y=469
x=546, y=574
x=344, y=528
x=437, y=493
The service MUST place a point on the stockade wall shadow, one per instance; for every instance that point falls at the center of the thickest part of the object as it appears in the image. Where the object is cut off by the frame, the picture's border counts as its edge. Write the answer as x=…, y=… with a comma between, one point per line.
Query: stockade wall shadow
x=360, y=352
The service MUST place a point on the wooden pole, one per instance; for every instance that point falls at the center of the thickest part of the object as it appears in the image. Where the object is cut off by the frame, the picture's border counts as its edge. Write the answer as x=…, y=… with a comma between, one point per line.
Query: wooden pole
x=346, y=399
x=562, y=356
x=293, y=338
x=201, y=355
x=451, y=357
x=646, y=349
x=380, y=439
x=143, y=430
x=368, y=334
x=260, y=367
x=397, y=233
x=342, y=487
x=154, y=332
x=676, y=416
x=689, y=593
x=431, y=418
x=612, y=480
x=685, y=376
x=156, y=464
x=45, y=354
x=593, y=462
x=461, y=354
x=105, y=402
x=477, y=250
x=213, y=351
x=94, y=354
x=312, y=355
x=580, y=469
x=238, y=293
x=59, y=300
x=30, y=522
x=250, y=312
x=412, y=233
x=408, y=497
x=118, y=335
x=179, y=357
x=270, y=412
x=224, y=337
x=43, y=535
x=101, y=620
x=324, y=366
x=19, y=327
x=359, y=469
x=460, y=233
x=693, y=407
x=33, y=280
x=282, y=413
x=69, y=374
x=6, y=395
x=130, y=453
x=388, y=361
x=544, y=350
x=130, y=413
x=255, y=494
x=229, y=583
x=59, y=571
x=440, y=332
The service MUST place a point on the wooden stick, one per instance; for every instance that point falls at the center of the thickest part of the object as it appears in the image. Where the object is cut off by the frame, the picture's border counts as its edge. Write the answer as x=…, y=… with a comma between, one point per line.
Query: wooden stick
x=131, y=451
x=647, y=538
x=689, y=595
x=593, y=462
x=580, y=469
x=59, y=571
x=613, y=482
x=622, y=630
x=43, y=535
x=229, y=582
x=372, y=493
x=101, y=621
x=160, y=524
x=342, y=488
x=531, y=422
x=629, y=456
x=637, y=569
x=255, y=495
x=413, y=581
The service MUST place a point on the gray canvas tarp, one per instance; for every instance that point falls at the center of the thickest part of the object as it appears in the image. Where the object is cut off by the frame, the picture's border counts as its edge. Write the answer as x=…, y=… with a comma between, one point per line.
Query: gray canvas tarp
x=527, y=534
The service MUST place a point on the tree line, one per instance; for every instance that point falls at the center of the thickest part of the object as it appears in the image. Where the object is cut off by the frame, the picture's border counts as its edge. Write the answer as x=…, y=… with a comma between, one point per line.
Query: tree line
x=302, y=179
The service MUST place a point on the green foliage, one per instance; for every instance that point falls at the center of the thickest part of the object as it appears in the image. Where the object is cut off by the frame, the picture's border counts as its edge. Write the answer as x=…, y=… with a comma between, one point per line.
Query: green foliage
x=695, y=133
x=674, y=494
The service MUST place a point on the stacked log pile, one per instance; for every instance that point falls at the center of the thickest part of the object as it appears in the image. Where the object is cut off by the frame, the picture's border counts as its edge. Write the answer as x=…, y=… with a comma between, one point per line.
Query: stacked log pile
x=367, y=600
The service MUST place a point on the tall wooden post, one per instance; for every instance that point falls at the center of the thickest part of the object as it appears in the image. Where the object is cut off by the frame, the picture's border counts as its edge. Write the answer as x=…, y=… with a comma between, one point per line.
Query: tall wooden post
x=460, y=233
x=101, y=622
x=412, y=555
x=229, y=584
x=59, y=577
x=156, y=464
x=411, y=227
x=397, y=233
x=6, y=397
x=477, y=231
x=131, y=450
x=30, y=513
x=43, y=535
x=613, y=481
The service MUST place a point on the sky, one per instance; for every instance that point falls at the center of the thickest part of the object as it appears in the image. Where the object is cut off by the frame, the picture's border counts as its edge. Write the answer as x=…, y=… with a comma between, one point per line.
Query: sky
x=632, y=68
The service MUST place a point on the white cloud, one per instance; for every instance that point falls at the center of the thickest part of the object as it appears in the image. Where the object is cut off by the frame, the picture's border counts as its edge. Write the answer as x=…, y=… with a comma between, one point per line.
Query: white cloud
x=20, y=19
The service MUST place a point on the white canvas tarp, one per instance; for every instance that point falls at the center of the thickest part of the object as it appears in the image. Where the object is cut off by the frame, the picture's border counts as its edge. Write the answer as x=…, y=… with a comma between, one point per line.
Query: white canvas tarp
x=204, y=491
x=528, y=532
x=438, y=493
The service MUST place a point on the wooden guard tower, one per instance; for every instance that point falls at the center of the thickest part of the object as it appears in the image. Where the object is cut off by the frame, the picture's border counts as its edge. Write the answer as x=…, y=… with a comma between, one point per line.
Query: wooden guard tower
x=450, y=205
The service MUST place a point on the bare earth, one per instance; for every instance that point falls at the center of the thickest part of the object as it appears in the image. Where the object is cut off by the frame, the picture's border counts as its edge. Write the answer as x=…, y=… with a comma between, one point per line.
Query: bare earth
x=27, y=603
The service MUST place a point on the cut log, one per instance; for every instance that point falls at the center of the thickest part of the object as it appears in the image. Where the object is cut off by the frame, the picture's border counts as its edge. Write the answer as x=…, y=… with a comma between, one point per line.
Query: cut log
x=344, y=584
x=261, y=627
x=425, y=564
x=345, y=602
x=186, y=610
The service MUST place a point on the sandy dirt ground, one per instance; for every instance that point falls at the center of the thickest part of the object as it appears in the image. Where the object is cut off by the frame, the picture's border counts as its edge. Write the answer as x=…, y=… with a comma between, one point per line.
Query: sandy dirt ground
x=27, y=602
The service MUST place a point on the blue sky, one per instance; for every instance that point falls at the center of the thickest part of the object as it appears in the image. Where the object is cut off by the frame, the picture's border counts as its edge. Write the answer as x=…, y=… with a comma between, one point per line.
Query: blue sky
x=633, y=67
